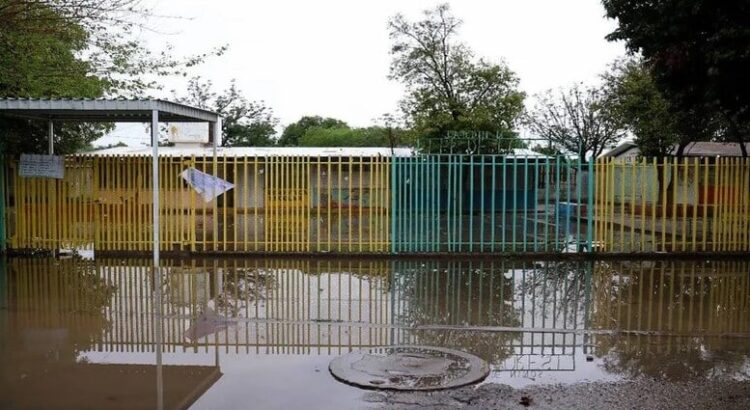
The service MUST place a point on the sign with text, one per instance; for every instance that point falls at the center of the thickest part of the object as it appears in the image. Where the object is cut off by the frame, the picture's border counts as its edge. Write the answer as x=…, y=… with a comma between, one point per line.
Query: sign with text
x=41, y=166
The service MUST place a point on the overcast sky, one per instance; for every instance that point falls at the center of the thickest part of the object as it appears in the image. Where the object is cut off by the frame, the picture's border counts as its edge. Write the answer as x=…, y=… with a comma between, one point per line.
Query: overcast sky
x=331, y=58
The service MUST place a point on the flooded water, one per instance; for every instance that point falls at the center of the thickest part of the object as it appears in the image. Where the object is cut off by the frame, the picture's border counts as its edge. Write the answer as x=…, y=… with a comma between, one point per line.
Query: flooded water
x=260, y=333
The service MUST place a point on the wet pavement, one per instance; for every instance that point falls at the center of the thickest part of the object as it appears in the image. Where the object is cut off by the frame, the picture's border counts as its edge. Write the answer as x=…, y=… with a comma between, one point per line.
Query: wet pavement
x=260, y=333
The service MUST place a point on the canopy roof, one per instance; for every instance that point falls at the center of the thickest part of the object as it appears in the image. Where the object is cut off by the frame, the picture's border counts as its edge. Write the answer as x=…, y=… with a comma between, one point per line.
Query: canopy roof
x=103, y=110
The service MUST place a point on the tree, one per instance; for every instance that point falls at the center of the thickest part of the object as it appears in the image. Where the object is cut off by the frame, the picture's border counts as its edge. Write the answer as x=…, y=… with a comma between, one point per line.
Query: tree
x=577, y=120
x=244, y=123
x=633, y=97
x=698, y=55
x=41, y=61
x=75, y=49
x=640, y=107
x=294, y=131
x=448, y=89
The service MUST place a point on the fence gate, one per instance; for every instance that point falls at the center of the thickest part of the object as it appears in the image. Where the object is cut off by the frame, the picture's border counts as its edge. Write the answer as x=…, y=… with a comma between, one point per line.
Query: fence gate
x=491, y=203
x=287, y=204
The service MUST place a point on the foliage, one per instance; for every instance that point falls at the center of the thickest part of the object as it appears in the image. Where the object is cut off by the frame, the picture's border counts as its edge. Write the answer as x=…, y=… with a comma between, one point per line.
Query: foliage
x=474, y=142
x=345, y=137
x=699, y=56
x=105, y=35
x=577, y=120
x=294, y=131
x=448, y=89
x=244, y=123
x=41, y=60
x=75, y=49
x=634, y=98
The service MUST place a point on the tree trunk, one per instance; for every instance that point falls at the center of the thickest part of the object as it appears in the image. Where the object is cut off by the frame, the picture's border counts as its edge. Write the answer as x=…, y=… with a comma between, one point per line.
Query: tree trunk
x=735, y=135
x=660, y=176
x=673, y=175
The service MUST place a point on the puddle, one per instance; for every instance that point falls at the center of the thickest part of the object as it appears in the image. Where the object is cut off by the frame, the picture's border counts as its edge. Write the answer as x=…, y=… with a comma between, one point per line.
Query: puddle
x=231, y=332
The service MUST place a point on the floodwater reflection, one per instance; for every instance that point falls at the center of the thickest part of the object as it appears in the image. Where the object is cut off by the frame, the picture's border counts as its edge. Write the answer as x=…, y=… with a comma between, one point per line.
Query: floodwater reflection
x=82, y=333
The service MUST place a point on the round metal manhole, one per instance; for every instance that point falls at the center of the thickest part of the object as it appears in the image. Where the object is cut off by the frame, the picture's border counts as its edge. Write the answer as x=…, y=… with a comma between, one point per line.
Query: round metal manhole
x=409, y=368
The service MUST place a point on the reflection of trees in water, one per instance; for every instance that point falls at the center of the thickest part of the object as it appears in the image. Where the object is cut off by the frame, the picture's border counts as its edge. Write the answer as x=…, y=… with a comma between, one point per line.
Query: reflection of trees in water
x=57, y=306
x=686, y=299
x=192, y=288
x=673, y=358
x=242, y=286
x=457, y=294
x=555, y=291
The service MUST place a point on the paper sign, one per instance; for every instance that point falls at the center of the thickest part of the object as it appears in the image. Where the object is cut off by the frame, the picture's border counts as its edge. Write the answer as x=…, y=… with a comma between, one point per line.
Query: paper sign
x=43, y=166
x=208, y=186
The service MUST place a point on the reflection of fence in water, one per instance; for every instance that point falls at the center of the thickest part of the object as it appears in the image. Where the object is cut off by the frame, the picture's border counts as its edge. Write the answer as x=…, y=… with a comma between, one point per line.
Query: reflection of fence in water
x=443, y=297
x=272, y=306
x=281, y=306
x=682, y=297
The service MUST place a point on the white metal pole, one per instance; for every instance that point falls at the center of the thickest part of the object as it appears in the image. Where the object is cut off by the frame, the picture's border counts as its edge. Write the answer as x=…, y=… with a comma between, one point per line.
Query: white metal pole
x=155, y=181
x=157, y=320
x=51, y=137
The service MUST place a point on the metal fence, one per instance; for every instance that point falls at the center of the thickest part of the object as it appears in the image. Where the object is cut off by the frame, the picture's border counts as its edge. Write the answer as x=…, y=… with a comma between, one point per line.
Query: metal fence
x=432, y=203
x=673, y=205
x=490, y=203
x=279, y=204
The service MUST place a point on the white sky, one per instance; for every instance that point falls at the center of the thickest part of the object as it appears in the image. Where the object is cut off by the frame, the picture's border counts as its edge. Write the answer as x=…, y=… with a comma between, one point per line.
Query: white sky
x=331, y=58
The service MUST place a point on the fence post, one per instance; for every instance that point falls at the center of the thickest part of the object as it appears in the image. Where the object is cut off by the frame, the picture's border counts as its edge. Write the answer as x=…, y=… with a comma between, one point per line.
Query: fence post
x=394, y=203
x=2, y=201
x=590, y=181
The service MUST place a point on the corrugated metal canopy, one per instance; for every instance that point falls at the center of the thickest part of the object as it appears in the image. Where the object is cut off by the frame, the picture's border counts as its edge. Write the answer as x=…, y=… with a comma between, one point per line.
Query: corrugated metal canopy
x=103, y=110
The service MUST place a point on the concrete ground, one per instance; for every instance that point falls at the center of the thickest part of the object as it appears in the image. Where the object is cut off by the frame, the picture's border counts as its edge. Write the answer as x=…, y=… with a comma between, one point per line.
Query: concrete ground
x=641, y=394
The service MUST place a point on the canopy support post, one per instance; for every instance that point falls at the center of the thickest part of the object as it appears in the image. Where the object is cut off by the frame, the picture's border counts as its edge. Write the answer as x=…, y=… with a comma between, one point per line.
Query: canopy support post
x=51, y=136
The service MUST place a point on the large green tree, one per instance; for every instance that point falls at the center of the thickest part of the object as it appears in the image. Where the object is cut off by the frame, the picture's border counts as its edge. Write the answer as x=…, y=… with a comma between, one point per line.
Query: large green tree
x=244, y=123
x=294, y=131
x=698, y=53
x=447, y=87
x=75, y=49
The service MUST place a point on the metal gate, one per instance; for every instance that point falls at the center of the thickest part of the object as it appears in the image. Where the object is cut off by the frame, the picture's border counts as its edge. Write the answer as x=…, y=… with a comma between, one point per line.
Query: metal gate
x=491, y=203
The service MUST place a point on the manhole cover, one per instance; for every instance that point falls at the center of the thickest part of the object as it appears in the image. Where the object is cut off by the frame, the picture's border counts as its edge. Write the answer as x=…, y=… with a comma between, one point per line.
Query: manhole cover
x=409, y=368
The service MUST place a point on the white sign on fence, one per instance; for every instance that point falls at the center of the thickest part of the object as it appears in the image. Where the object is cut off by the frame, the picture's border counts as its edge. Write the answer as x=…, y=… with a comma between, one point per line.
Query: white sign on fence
x=41, y=166
x=208, y=186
